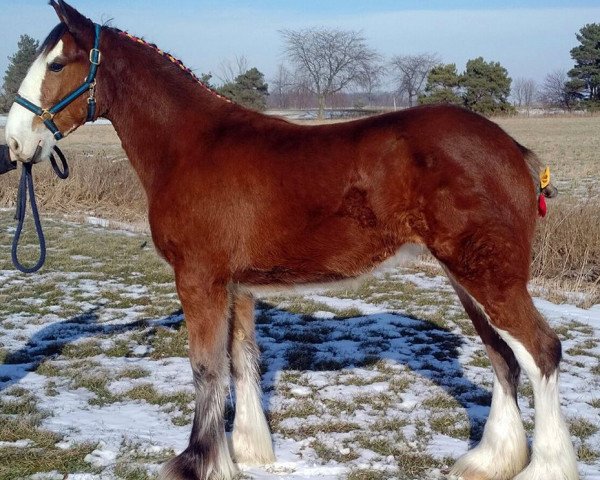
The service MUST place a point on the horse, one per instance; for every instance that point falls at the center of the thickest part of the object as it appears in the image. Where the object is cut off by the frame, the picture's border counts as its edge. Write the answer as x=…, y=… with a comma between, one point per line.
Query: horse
x=239, y=200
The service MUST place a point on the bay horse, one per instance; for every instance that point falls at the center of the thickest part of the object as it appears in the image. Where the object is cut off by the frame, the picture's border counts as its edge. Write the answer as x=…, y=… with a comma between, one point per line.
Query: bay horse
x=239, y=200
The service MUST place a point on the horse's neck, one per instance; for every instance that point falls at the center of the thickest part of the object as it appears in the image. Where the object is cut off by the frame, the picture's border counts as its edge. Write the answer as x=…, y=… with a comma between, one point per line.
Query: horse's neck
x=152, y=107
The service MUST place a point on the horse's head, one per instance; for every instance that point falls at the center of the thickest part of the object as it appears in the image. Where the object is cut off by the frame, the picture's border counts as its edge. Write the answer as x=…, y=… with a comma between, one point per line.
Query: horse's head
x=54, y=98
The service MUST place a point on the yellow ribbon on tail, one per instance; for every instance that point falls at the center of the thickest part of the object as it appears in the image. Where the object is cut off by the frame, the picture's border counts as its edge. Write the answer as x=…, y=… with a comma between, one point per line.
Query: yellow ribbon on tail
x=544, y=182
x=545, y=178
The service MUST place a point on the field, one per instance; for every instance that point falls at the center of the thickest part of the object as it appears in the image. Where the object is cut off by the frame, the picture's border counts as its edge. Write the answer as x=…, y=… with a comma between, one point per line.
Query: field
x=386, y=380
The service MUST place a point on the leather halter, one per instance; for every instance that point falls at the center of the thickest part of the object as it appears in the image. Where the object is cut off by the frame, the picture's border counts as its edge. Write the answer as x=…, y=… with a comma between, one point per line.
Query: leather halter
x=89, y=85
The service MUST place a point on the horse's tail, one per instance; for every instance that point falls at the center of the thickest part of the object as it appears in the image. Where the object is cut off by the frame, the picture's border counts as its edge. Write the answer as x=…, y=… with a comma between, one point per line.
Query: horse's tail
x=535, y=169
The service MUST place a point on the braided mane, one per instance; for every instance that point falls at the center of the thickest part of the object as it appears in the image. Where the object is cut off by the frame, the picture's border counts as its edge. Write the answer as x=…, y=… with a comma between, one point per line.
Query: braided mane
x=175, y=61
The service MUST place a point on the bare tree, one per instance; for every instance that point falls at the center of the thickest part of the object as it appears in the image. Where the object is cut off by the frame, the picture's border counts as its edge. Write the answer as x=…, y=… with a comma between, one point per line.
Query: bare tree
x=555, y=91
x=412, y=71
x=281, y=86
x=371, y=79
x=328, y=60
x=523, y=91
x=229, y=71
x=300, y=94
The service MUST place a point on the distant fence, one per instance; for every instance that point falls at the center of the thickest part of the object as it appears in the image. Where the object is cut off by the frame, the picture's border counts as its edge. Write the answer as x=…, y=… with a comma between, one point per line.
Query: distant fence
x=333, y=113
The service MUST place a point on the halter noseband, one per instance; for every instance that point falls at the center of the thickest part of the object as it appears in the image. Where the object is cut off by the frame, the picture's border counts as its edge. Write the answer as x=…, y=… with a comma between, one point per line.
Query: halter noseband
x=89, y=84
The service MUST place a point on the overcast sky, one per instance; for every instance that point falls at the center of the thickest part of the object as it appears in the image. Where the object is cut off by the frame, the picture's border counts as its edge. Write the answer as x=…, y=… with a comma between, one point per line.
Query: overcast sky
x=530, y=38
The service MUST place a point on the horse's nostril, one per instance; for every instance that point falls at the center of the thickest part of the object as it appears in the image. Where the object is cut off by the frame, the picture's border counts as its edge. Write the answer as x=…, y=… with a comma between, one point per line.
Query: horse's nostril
x=14, y=144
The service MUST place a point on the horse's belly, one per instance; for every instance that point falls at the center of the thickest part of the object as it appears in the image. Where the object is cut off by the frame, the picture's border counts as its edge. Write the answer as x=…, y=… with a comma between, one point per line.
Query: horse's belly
x=320, y=259
x=404, y=255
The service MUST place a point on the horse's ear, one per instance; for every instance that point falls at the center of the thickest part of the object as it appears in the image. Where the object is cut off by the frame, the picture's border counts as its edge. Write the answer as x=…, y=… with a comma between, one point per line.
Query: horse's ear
x=82, y=28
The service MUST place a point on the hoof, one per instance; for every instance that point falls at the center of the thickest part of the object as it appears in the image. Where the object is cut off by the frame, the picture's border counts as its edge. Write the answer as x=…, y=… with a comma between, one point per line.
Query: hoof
x=188, y=466
x=470, y=473
x=484, y=463
x=550, y=470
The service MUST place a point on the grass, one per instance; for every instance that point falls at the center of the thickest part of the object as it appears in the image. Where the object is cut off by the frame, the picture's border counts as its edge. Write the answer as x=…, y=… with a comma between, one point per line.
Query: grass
x=27, y=428
x=409, y=463
x=125, y=471
x=20, y=419
x=88, y=348
x=370, y=474
x=582, y=428
x=168, y=342
x=314, y=429
x=301, y=409
x=180, y=401
x=587, y=454
x=565, y=143
x=450, y=424
x=134, y=373
x=441, y=401
x=328, y=454
x=23, y=462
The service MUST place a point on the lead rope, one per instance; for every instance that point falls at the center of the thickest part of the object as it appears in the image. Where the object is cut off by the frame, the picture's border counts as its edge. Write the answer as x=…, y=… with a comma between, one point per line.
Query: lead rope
x=25, y=187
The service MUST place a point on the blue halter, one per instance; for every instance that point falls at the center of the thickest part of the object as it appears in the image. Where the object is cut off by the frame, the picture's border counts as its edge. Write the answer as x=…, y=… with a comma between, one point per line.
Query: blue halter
x=47, y=115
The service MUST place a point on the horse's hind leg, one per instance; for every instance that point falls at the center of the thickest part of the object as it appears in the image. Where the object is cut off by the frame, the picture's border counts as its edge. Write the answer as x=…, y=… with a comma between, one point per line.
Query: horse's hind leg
x=502, y=451
x=251, y=438
x=510, y=311
x=538, y=351
x=206, y=308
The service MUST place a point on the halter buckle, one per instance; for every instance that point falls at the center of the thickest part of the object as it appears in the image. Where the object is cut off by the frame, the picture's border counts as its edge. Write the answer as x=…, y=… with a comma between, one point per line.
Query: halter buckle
x=92, y=90
x=46, y=115
x=95, y=56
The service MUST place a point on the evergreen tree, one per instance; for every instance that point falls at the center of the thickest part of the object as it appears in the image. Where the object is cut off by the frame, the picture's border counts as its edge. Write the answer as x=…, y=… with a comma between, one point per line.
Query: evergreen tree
x=248, y=89
x=486, y=87
x=443, y=84
x=206, y=78
x=17, y=69
x=585, y=76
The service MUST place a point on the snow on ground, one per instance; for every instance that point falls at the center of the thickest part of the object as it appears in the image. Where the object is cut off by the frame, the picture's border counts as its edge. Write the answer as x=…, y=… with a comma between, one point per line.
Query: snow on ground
x=384, y=381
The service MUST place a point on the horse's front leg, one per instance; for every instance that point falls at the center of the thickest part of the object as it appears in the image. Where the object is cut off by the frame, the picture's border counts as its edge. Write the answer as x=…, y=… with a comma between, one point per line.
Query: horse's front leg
x=206, y=306
x=251, y=438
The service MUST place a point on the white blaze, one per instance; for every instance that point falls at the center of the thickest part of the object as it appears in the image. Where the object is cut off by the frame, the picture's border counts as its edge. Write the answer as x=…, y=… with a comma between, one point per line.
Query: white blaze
x=21, y=137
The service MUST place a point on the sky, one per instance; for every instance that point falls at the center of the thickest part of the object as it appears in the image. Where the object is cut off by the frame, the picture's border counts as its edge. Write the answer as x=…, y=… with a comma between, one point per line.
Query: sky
x=530, y=38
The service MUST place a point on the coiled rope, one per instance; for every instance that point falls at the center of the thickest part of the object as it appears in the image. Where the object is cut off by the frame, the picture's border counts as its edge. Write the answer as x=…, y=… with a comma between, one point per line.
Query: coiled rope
x=26, y=188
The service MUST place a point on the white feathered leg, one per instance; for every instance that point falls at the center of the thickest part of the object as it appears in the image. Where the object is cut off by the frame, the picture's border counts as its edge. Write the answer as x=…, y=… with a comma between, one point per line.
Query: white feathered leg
x=251, y=438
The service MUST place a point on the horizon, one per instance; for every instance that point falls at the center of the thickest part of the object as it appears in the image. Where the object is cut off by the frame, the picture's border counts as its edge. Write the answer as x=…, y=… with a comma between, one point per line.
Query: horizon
x=529, y=39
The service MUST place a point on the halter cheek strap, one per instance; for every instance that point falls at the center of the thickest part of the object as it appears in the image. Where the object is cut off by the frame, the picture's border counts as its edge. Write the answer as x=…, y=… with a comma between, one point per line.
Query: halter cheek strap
x=89, y=85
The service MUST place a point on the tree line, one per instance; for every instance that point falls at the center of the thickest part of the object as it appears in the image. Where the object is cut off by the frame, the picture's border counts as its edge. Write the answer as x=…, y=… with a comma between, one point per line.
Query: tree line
x=328, y=66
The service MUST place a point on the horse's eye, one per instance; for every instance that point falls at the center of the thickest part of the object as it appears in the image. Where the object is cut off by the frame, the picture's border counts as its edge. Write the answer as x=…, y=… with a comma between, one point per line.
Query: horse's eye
x=55, y=67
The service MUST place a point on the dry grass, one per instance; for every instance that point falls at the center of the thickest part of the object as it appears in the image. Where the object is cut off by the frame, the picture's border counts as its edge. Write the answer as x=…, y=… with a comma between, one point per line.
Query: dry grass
x=567, y=248
x=570, y=145
x=567, y=245
x=102, y=182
